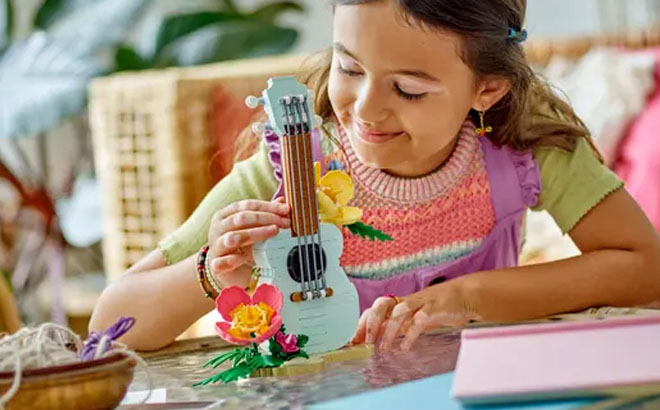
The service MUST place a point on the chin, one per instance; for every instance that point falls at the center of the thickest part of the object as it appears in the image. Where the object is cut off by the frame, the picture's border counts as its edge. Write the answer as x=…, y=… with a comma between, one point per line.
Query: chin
x=372, y=157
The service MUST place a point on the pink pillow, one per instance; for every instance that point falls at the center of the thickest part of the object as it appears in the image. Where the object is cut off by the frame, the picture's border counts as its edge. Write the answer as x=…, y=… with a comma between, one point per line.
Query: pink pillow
x=639, y=155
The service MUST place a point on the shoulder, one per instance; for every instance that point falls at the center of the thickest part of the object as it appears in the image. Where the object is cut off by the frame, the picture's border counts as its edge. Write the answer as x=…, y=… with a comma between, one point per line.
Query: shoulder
x=573, y=182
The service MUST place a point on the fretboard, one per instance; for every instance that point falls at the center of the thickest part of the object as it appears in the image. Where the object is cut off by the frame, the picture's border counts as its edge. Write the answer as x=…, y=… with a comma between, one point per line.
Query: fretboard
x=299, y=185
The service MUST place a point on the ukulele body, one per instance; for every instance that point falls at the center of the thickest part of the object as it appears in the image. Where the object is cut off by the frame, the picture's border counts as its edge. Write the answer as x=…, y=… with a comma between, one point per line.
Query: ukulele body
x=330, y=321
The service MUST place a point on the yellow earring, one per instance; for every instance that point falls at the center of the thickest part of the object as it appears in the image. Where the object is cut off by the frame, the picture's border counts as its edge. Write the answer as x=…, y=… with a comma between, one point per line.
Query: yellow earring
x=483, y=130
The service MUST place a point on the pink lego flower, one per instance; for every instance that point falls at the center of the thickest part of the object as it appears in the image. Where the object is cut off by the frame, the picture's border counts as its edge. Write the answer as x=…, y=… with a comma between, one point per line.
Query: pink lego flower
x=289, y=343
x=249, y=319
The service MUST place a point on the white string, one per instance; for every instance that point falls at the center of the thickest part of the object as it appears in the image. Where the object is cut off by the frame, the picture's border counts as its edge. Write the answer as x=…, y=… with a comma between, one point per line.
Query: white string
x=302, y=177
x=14, y=385
x=304, y=283
x=121, y=348
x=45, y=346
x=305, y=119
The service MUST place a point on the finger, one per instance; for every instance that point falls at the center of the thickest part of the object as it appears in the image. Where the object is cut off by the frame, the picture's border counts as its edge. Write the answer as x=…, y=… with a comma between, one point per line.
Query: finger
x=405, y=326
x=231, y=241
x=400, y=314
x=255, y=205
x=379, y=312
x=226, y=263
x=418, y=325
x=361, y=331
x=252, y=219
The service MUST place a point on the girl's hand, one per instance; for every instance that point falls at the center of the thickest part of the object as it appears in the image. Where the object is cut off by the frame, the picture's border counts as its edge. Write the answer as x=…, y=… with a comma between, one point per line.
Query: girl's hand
x=435, y=306
x=235, y=229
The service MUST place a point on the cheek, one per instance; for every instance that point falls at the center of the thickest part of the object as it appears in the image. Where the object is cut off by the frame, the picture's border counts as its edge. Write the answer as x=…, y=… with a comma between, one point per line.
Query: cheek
x=340, y=92
x=430, y=125
x=420, y=120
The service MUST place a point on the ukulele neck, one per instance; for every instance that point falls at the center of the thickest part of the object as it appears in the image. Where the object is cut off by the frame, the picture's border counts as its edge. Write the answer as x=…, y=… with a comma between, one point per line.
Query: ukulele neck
x=298, y=168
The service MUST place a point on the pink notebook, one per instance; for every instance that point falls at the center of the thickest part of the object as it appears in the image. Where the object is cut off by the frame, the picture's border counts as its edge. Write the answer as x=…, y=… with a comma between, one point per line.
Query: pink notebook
x=559, y=360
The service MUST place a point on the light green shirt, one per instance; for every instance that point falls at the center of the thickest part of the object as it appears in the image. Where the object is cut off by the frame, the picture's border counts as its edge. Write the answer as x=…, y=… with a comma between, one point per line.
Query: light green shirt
x=572, y=184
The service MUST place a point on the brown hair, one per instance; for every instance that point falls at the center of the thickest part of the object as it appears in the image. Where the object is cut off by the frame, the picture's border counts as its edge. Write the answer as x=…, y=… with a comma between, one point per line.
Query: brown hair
x=530, y=115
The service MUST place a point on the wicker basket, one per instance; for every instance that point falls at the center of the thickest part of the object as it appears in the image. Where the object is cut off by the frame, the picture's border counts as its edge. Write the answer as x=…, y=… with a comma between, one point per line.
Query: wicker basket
x=153, y=134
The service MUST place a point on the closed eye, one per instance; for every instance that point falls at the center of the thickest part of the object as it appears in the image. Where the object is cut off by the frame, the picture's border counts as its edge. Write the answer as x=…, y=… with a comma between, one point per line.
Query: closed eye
x=406, y=95
x=347, y=72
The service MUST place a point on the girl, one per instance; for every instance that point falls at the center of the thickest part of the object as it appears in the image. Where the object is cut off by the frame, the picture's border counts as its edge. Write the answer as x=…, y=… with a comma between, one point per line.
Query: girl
x=449, y=137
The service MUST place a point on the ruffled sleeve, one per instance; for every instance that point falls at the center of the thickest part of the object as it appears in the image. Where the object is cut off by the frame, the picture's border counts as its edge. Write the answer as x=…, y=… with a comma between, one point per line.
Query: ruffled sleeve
x=529, y=177
x=272, y=142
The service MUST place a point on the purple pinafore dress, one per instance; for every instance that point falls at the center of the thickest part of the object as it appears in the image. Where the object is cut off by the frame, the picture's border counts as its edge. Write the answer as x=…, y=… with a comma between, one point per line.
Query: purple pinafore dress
x=515, y=185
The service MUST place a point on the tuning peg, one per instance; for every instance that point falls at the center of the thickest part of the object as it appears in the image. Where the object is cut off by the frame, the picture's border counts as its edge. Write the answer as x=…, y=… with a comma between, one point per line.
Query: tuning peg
x=311, y=94
x=319, y=120
x=259, y=127
x=253, y=102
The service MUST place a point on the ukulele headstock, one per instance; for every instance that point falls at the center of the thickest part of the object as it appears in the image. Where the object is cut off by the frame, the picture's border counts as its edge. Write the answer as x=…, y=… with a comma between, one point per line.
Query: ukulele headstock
x=287, y=103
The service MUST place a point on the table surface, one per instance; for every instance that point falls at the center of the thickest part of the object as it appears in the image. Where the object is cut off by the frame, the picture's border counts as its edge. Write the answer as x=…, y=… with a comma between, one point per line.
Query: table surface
x=433, y=354
x=178, y=367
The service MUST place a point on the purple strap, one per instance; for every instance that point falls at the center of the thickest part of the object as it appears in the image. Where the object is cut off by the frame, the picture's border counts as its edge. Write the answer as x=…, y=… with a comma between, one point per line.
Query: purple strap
x=92, y=348
x=275, y=156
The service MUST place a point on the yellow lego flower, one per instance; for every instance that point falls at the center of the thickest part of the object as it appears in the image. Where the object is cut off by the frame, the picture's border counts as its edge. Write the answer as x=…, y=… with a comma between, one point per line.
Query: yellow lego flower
x=334, y=191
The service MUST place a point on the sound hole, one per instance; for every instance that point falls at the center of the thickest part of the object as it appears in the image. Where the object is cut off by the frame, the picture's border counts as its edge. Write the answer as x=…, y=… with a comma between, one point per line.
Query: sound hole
x=297, y=255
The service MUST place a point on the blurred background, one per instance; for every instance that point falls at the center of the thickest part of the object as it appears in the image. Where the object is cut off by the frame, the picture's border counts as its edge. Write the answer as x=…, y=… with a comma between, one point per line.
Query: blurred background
x=117, y=116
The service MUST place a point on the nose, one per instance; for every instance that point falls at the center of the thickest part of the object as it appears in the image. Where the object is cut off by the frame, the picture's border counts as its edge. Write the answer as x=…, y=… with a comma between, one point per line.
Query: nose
x=370, y=105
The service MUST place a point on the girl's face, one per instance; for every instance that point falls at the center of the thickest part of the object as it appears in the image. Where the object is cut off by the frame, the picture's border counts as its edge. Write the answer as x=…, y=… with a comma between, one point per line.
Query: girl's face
x=401, y=92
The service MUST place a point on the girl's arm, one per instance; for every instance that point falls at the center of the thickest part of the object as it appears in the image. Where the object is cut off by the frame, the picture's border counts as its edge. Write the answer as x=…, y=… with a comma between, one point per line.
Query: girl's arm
x=619, y=266
x=164, y=300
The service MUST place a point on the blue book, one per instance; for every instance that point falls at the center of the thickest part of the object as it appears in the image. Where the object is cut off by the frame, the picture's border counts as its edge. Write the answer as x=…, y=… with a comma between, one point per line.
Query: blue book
x=432, y=393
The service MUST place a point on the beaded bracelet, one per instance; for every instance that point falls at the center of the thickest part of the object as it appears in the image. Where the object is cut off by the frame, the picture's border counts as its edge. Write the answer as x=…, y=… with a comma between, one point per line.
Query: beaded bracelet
x=209, y=276
x=201, y=273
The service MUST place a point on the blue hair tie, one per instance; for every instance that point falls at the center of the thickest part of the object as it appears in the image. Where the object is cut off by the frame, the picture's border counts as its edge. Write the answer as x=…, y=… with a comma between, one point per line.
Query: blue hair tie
x=517, y=36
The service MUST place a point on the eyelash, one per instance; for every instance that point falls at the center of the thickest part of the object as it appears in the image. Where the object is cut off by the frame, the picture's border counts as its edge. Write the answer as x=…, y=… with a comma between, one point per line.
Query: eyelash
x=407, y=96
x=348, y=72
x=399, y=91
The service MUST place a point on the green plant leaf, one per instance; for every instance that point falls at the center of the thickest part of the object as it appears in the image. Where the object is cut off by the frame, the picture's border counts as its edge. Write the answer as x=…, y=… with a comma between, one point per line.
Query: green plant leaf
x=175, y=27
x=212, y=379
x=92, y=25
x=302, y=341
x=41, y=84
x=127, y=59
x=52, y=10
x=227, y=41
x=245, y=354
x=274, y=347
x=229, y=6
x=367, y=231
x=269, y=12
x=262, y=361
x=218, y=360
x=239, y=372
x=6, y=23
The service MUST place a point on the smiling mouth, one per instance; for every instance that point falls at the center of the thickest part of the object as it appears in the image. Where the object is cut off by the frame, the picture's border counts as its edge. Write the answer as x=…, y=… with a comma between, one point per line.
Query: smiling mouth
x=374, y=136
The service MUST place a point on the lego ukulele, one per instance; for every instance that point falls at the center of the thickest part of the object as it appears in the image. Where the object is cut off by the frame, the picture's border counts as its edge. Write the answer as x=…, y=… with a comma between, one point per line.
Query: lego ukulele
x=303, y=262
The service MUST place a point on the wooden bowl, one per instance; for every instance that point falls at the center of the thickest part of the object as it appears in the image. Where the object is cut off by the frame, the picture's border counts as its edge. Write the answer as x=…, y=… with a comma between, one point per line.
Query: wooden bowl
x=94, y=385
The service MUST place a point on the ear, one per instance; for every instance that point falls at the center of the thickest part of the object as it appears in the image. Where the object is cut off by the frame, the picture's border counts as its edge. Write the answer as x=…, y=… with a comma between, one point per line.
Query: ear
x=489, y=92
